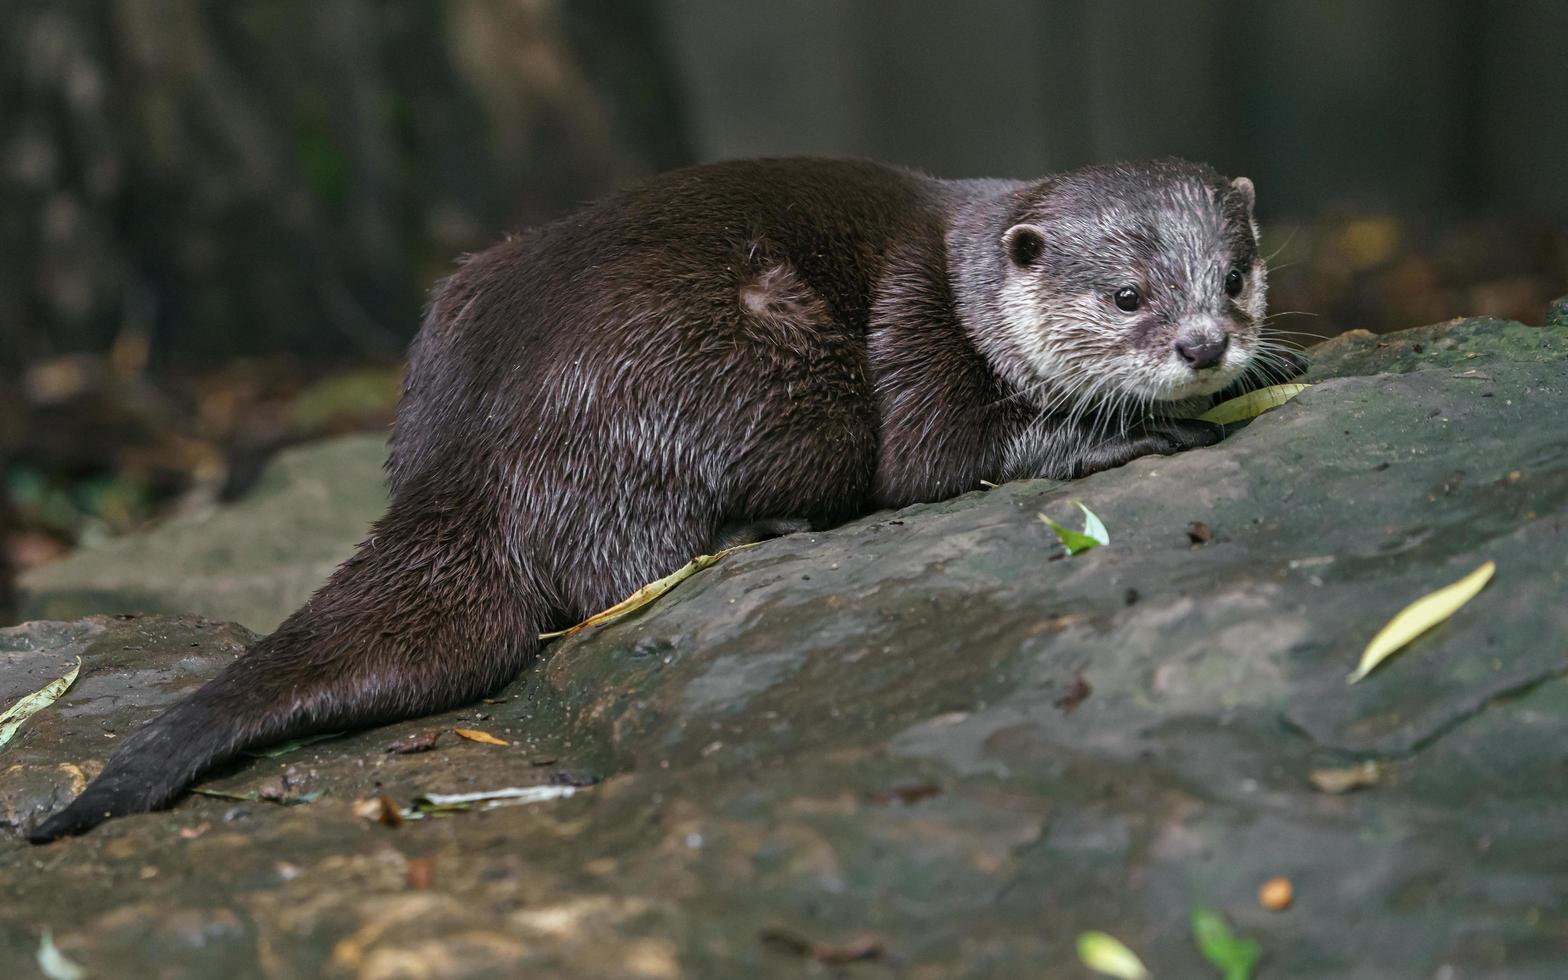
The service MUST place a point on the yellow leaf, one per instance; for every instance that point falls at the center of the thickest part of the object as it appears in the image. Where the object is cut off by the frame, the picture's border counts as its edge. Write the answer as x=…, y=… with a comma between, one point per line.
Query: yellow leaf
x=475, y=735
x=1252, y=404
x=11, y=719
x=1420, y=616
x=1104, y=953
x=647, y=593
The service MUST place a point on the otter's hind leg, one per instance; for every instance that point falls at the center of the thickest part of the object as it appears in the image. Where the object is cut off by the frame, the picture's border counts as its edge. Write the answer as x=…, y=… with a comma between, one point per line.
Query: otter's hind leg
x=431, y=613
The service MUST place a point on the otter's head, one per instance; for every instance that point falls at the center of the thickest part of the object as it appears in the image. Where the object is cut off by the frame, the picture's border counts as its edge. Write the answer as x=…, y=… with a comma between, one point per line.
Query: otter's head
x=1140, y=282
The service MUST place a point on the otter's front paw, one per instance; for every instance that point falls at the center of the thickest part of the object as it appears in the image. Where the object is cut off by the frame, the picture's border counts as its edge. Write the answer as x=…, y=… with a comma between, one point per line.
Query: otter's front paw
x=1154, y=437
x=1166, y=436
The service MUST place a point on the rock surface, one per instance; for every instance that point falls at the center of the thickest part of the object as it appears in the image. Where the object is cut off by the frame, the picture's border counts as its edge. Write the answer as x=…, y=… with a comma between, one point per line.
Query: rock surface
x=252, y=562
x=921, y=746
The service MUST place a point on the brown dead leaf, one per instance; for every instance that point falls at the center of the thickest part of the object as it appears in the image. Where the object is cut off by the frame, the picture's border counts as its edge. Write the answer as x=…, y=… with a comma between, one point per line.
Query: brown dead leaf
x=1346, y=779
x=417, y=742
x=1074, y=695
x=191, y=833
x=907, y=793
x=381, y=809
x=475, y=735
x=421, y=873
x=833, y=954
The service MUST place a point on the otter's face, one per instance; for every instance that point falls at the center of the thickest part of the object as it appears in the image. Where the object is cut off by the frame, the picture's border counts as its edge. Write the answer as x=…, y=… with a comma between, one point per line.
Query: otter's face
x=1140, y=284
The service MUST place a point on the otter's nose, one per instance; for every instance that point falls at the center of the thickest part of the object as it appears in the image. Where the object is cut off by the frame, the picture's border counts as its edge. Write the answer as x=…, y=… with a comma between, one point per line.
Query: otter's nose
x=1200, y=353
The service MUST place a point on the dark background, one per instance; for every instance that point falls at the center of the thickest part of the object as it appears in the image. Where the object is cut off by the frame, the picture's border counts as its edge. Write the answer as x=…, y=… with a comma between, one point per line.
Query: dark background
x=218, y=220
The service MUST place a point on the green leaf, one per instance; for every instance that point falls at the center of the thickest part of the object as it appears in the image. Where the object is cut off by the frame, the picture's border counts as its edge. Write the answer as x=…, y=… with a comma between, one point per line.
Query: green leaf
x=1104, y=953
x=1233, y=956
x=1252, y=404
x=54, y=964
x=1092, y=536
x=1092, y=525
x=35, y=702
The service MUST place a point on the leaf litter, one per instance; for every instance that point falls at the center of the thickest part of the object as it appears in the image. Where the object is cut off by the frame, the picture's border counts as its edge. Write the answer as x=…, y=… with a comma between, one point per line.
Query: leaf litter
x=11, y=720
x=1093, y=534
x=1104, y=953
x=1232, y=955
x=1426, y=612
x=1252, y=404
x=648, y=593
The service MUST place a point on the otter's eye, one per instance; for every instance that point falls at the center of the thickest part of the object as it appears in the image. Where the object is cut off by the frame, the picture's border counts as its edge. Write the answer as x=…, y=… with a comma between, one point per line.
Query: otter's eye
x=1234, y=280
x=1127, y=299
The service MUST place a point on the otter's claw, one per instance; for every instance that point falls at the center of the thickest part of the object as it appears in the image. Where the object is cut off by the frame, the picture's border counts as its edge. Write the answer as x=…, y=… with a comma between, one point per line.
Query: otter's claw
x=1154, y=437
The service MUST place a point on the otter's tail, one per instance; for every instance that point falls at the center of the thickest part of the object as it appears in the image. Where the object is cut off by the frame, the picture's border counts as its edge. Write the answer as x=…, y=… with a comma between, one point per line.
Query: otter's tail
x=432, y=612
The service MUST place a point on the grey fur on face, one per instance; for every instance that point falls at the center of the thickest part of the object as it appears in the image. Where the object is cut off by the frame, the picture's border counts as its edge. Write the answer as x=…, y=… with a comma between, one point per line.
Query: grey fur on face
x=1115, y=283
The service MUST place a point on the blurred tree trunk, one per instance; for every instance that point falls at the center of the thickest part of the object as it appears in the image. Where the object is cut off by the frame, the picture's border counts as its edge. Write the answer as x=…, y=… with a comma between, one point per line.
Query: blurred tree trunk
x=238, y=176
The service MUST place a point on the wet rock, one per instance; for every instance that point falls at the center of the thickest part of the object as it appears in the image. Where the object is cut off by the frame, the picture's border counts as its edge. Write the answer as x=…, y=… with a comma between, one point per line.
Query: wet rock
x=857, y=739
x=253, y=562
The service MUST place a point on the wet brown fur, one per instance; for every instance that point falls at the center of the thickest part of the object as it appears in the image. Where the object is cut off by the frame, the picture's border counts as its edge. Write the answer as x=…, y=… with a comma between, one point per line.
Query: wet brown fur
x=758, y=344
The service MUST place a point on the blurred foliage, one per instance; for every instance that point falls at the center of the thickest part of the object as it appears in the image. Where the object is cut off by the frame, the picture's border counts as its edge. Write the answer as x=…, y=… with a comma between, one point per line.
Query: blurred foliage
x=248, y=176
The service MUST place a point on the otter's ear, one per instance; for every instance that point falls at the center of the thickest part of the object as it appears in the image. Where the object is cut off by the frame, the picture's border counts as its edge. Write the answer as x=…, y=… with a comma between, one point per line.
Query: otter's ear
x=1242, y=187
x=1024, y=243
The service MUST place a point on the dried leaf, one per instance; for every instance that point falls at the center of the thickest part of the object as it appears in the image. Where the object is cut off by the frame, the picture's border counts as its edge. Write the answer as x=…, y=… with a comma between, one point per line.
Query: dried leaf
x=1104, y=953
x=1234, y=957
x=648, y=593
x=421, y=873
x=54, y=964
x=1420, y=616
x=486, y=799
x=417, y=742
x=833, y=954
x=475, y=735
x=1252, y=404
x=255, y=796
x=380, y=809
x=35, y=702
x=1346, y=779
x=1092, y=536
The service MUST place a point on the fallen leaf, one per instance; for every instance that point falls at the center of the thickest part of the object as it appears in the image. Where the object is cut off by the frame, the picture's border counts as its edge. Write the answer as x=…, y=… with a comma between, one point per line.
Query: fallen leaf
x=379, y=809
x=1092, y=525
x=489, y=799
x=54, y=963
x=421, y=873
x=256, y=796
x=1092, y=536
x=475, y=735
x=35, y=702
x=1252, y=404
x=833, y=954
x=1104, y=953
x=1346, y=779
x=1075, y=694
x=907, y=793
x=1420, y=616
x=1234, y=957
x=191, y=833
x=417, y=742
x=648, y=593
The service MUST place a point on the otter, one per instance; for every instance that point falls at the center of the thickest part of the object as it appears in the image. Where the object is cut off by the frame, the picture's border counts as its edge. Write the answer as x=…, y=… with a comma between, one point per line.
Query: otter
x=718, y=354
